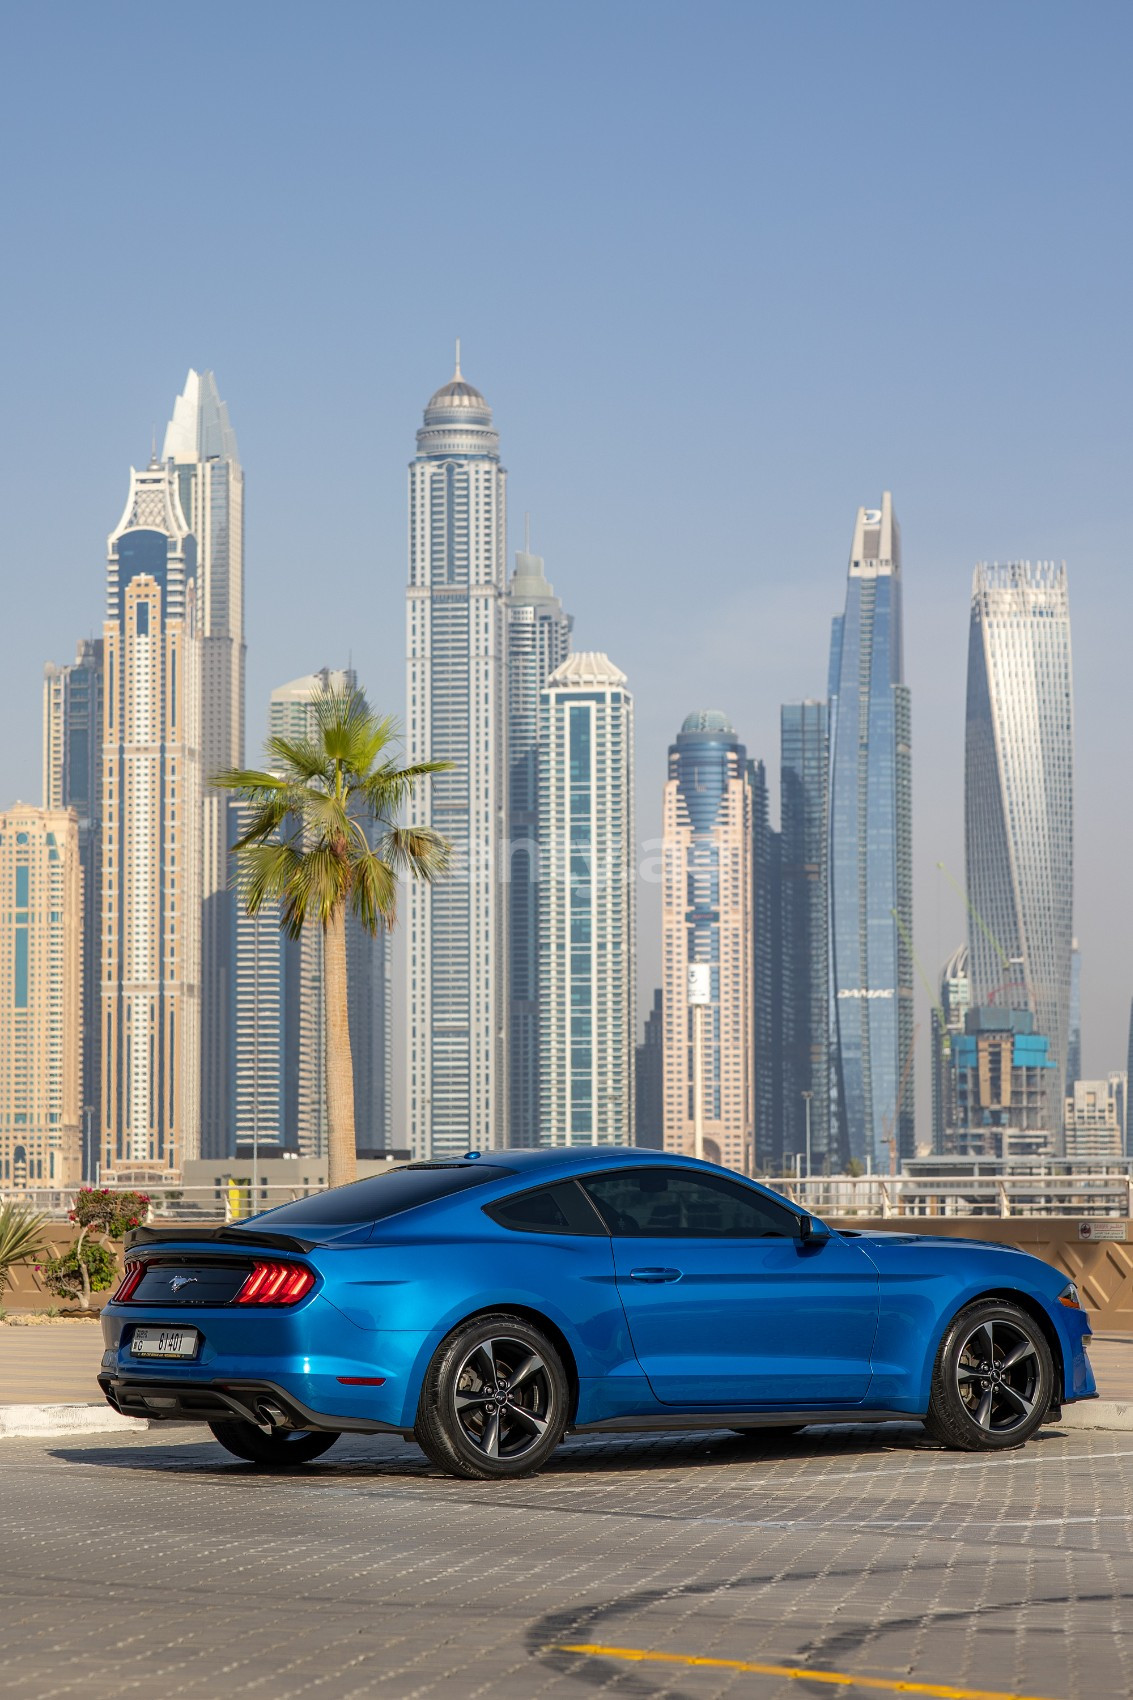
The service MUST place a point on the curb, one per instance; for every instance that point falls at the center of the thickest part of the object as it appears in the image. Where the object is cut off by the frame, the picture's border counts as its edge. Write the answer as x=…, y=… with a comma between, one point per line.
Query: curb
x=26, y=1422
x=1099, y=1413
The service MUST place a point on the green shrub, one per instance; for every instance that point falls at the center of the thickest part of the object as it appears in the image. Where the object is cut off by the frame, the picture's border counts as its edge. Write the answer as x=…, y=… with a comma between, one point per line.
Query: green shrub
x=21, y=1237
x=63, y=1275
x=110, y=1212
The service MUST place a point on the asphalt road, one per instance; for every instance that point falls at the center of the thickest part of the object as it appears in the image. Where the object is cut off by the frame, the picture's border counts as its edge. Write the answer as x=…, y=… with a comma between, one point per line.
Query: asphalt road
x=153, y=1566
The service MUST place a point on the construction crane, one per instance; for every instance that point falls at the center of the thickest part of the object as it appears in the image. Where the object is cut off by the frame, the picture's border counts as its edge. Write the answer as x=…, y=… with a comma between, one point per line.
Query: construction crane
x=933, y=996
x=1010, y=982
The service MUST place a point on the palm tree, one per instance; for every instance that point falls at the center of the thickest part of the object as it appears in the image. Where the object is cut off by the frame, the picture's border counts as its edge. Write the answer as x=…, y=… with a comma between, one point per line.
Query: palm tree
x=21, y=1238
x=325, y=834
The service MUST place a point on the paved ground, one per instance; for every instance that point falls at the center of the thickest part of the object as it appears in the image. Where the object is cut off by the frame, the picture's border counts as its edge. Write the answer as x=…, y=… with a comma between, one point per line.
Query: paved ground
x=156, y=1567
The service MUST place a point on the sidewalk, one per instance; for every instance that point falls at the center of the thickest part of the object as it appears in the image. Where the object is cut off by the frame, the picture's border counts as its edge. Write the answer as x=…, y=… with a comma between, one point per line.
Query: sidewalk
x=52, y=1365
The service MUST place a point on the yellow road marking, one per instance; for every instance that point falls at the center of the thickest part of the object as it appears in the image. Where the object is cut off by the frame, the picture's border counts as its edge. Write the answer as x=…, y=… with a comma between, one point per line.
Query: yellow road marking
x=799, y=1673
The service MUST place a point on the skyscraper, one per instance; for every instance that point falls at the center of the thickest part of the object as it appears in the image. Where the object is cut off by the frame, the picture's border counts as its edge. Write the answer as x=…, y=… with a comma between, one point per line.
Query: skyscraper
x=707, y=920
x=201, y=444
x=456, y=712
x=804, y=980
x=587, y=955
x=538, y=642
x=279, y=1064
x=151, y=824
x=948, y=1020
x=767, y=971
x=1019, y=798
x=72, y=778
x=649, y=1079
x=41, y=914
x=871, y=852
x=1074, y=1044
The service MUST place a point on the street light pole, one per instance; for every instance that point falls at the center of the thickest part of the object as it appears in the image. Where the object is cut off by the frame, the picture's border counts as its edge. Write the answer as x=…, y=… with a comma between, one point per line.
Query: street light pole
x=807, y=1096
x=699, y=997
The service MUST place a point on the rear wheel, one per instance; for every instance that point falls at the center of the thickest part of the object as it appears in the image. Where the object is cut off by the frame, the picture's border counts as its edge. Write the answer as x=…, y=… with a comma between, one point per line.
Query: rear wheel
x=495, y=1400
x=993, y=1379
x=284, y=1446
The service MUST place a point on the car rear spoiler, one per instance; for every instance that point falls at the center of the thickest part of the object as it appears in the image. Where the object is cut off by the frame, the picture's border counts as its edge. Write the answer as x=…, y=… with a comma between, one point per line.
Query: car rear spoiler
x=227, y=1236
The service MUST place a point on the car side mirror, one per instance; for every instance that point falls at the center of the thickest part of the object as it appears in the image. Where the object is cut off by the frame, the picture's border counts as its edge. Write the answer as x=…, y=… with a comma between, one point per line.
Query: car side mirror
x=812, y=1231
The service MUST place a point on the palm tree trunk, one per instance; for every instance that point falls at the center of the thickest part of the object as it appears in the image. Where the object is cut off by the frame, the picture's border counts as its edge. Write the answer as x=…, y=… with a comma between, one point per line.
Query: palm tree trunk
x=339, y=1063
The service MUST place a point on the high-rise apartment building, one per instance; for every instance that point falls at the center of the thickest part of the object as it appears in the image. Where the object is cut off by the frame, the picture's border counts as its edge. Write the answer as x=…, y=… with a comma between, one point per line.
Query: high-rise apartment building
x=947, y=1022
x=151, y=828
x=1019, y=797
x=41, y=946
x=707, y=899
x=871, y=898
x=279, y=1061
x=767, y=969
x=649, y=1078
x=1074, y=1039
x=457, y=643
x=538, y=642
x=201, y=445
x=804, y=979
x=72, y=779
x=258, y=1072
x=1000, y=1094
x=587, y=955
x=1093, y=1126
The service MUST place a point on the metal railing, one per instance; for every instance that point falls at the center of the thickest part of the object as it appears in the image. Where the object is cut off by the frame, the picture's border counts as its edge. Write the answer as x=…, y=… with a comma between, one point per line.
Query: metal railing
x=961, y=1195
x=825, y=1195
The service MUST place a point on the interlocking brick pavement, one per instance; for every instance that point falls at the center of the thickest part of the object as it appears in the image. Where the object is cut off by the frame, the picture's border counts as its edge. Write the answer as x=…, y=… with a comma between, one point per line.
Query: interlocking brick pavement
x=156, y=1566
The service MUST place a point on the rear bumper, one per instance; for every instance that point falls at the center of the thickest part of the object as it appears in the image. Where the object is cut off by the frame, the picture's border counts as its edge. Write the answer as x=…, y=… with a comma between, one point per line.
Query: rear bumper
x=228, y=1400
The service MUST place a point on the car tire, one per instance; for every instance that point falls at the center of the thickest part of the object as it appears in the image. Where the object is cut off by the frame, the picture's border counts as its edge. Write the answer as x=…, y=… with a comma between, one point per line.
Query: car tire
x=285, y=1446
x=495, y=1401
x=993, y=1379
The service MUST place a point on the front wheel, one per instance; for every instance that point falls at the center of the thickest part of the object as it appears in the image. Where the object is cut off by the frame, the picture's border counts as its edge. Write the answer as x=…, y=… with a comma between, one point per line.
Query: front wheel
x=993, y=1379
x=284, y=1446
x=495, y=1400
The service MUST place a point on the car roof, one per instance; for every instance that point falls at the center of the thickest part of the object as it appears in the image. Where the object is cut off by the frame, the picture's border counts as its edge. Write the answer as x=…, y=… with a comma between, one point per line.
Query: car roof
x=573, y=1159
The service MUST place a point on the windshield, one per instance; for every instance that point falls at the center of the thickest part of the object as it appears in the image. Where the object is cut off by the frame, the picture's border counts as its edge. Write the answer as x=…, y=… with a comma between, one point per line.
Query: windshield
x=380, y=1195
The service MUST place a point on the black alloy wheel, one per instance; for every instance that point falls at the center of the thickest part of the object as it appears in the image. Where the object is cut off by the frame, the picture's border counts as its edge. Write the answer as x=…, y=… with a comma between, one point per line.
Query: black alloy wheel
x=282, y=1447
x=494, y=1403
x=993, y=1380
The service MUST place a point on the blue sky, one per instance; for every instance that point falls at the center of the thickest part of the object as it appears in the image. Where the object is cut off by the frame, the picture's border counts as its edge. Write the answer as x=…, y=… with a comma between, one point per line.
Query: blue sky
x=723, y=271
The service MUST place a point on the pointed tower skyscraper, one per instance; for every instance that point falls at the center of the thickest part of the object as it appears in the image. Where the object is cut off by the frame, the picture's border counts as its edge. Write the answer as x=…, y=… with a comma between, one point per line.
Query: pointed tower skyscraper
x=201, y=444
x=871, y=860
x=457, y=712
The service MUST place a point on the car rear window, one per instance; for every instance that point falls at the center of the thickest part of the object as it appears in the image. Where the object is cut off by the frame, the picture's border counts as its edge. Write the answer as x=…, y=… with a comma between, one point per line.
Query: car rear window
x=379, y=1196
x=559, y=1209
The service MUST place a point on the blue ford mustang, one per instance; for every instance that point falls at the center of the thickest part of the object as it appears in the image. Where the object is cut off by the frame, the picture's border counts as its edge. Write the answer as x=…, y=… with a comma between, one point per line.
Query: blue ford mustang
x=488, y=1305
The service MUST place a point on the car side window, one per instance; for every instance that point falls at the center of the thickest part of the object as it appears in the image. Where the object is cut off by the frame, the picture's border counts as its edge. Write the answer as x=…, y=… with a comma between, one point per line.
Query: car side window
x=677, y=1204
x=558, y=1209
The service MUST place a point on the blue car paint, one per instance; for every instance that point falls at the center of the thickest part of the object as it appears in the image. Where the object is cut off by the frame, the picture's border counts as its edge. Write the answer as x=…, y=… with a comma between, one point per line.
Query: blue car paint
x=387, y=1296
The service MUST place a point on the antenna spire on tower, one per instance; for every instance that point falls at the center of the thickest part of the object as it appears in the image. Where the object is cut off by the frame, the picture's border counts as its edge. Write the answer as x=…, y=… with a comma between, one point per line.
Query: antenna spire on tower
x=527, y=534
x=457, y=373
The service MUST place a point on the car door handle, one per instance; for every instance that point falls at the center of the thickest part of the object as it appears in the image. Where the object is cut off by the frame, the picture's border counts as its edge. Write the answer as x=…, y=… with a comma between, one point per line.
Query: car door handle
x=655, y=1274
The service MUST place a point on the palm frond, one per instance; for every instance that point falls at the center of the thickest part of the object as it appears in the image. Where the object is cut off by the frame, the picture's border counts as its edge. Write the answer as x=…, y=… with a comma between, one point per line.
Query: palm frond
x=252, y=781
x=418, y=851
x=373, y=892
x=387, y=790
x=302, y=757
x=21, y=1237
x=319, y=883
x=265, y=872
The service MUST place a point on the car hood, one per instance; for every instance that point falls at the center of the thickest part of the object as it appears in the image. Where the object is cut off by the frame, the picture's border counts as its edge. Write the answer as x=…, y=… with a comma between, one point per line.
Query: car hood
x=895, y=1237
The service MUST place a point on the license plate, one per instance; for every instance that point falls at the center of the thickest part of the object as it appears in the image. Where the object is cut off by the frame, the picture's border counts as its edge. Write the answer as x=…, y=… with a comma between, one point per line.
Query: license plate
x=164, y=1342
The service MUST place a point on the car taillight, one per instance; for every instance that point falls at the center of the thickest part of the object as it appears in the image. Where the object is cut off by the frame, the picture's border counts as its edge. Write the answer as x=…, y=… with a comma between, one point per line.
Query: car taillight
x=276, y=1284
x=130, y=1279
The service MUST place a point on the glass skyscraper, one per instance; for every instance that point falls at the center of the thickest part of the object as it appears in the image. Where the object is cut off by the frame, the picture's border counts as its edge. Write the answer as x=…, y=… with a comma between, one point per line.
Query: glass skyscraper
x=587, y=956
x=456, y=712
x=538, y=642
x=804, y=980
x=871, y=852
x=1019, y=799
